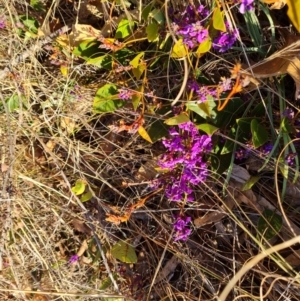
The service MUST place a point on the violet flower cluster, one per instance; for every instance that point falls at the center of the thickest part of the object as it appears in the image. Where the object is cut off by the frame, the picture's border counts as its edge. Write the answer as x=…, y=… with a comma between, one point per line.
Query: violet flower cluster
x=225, y=40
x=182, y=231
x=186, y=167
x=73, y=259
x=288, y=113
x=264, y=150
x=125, y=94
x=202, y=92
x=246, y=5
x=185, y=161
x=191, y=26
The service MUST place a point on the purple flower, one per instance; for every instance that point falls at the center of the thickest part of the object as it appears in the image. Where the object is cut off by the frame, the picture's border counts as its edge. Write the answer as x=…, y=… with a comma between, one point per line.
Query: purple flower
x=193, y=86
x=198, y=32
x=125, y=94
x=204, y=92
x=242, y=154
x=288, y=113
x=184, y=161
x=191, y=25
x=225, y=84
x=73, y=259
x=225, y=40
x=202, y=11
x=290, y=159
x=2, y=22
x=246, y=5
x=266, y=148
x=182, y=232
x=193, y=34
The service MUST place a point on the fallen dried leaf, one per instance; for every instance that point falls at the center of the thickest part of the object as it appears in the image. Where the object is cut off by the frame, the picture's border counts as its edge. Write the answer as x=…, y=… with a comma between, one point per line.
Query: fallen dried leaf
x=81, y=226
x=284, y=61
x=168, y=269
x=211, y=217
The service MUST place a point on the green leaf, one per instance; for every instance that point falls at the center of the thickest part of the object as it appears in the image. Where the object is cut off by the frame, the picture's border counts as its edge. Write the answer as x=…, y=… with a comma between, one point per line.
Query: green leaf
x=204, y=46
x=136, y=98
x=152, y=32
x=106, y=283
x=207, y=128
x=88, y=49
x=164, y=41
x=146, y=11
x=181, y=118
x=13, y=103
x=106, y=91
x=284, y=168
x=106, y=99
x=122, y=2
x=218, y=20
x=107, y=106
x=138, y=72
x=248, y=184
x=259, y=110
x=79, y=187
x=193, y=106
x=204, y=109
x=227, y=117
x=139, y=67
x=244, y=124
x=30, y=23
x=286, y=126
x=220, y=163
x=259, y=134
x=136, y=60
x=158, y=16
x=157, y=130
x=124, y=252
x=86, y=196
x=124, y=29
x=103, y=61
x=37, y=5
x=179, y=50
x=229, y=144
x=269, y=224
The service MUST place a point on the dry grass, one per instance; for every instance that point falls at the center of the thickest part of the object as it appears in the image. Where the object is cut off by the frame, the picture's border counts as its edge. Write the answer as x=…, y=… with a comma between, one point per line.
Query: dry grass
x=53, y=139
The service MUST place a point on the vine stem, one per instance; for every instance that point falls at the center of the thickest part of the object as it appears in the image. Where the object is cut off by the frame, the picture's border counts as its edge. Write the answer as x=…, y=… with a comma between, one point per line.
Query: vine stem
x=185, y=61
